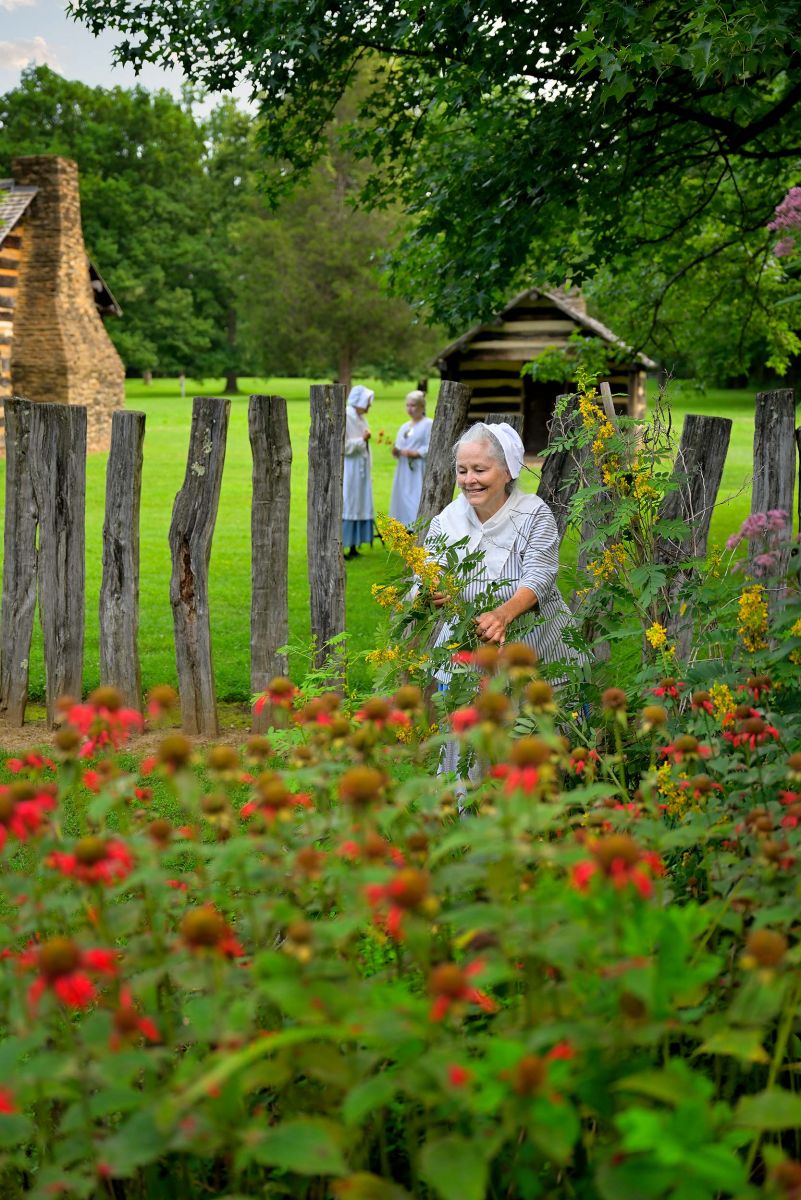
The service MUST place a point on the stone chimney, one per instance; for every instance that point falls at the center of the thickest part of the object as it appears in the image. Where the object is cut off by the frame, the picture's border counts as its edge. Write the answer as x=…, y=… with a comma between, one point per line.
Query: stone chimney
x=61, y=352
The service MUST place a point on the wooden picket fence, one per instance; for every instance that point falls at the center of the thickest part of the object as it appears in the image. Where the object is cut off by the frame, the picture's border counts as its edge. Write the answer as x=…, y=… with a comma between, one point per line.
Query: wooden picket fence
x=44, y=536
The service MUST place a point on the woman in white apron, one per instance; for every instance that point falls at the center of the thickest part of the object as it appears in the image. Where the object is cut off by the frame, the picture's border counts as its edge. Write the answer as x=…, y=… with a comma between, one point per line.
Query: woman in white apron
x=411, y=451
x=357, y=484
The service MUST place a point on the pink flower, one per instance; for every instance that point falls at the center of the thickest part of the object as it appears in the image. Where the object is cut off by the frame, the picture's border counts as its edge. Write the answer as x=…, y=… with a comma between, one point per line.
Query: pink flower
x=458, y=1076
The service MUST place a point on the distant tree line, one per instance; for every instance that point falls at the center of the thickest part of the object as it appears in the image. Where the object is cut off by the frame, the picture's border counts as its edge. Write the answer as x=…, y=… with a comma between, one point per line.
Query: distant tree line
x=212, y=281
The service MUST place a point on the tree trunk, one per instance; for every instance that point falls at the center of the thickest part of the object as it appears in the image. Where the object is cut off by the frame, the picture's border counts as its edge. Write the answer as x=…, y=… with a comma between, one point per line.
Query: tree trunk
x=563, y=471
x=231, y=373
x=269, y=522
x=697, y=472
x=19, y=564
x=119, y=591
x=345, y=369
x=147, y=377
x=193, y=518
x=450, y=419
x=324, y=520
x=58, y=476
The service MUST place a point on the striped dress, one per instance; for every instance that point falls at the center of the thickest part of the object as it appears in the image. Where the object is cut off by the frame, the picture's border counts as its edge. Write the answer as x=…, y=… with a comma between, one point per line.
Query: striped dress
x=532, y=562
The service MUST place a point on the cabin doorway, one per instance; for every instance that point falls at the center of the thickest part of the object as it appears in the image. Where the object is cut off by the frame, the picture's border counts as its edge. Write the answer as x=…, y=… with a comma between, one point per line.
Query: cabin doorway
x=539, y=402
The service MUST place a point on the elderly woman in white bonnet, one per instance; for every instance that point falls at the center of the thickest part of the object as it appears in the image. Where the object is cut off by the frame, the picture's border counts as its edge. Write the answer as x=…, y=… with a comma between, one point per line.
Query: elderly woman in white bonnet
x=411, y=451
x=517, y=534
x=357, y=483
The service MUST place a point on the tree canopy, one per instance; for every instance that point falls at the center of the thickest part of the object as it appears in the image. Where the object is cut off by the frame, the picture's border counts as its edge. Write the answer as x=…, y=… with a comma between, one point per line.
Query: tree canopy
x=531, y=142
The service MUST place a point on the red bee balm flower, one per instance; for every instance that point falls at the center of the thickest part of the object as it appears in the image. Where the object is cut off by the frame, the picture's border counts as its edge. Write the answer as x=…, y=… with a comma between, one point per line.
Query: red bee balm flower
x=7, y=1105
x=23, y=807
x=686, y=747
x=668, y=687
x=451, y=987
x=206, y=929
x=407, y=891
x=751, y=732
x=103, y=722
x=65, y=969
x=463, y=719
x=129, y=1024
x=618, y=857
x=94, y=860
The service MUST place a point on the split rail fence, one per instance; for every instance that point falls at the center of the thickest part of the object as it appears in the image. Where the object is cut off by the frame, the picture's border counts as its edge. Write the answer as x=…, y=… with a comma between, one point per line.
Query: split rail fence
x=44, y=533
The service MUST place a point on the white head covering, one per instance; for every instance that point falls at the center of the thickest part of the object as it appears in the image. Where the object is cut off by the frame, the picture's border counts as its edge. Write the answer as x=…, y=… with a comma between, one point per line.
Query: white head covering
x=511, y=444
x=360, y=397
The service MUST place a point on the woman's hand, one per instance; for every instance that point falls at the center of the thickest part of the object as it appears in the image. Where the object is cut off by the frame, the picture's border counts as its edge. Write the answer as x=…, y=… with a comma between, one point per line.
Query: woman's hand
x=491, y=627
x=438, y=599
x=396, y=452
x=366, y=435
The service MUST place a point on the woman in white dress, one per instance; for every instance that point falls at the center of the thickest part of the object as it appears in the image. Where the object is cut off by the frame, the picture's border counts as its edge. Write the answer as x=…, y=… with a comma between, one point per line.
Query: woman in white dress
x=357, y=484
x=411, y=451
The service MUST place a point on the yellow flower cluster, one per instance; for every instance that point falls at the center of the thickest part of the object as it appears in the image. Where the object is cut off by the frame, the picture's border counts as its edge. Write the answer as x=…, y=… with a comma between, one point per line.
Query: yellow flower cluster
x=656, y=635
x=641, y=487
x=795, y=631
x=677, y=799
x=753, y=618
x=387, y=596
x=398, y=539
x=723, y=701
x=598, y=424
x=609, y=564
x=383, y=655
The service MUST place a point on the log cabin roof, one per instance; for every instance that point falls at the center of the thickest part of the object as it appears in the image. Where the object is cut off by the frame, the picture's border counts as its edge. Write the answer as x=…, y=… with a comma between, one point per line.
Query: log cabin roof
x=14, y=201
x=563, y=303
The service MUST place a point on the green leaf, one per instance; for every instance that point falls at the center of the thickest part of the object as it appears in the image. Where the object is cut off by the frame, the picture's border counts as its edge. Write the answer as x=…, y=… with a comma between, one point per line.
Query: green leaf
x=745, y=1044
x=454, y=1169
x=368, y=1096
x=770, y=1110
x=364, y=1186
x=308, y=1146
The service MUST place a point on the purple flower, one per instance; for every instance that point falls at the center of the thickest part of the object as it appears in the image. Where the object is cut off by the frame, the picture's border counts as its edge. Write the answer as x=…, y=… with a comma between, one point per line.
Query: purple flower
x=754, y=526
x=777, y=519
x=788, y=213
x=784, y=246
x=764, y=563
x=734, y=541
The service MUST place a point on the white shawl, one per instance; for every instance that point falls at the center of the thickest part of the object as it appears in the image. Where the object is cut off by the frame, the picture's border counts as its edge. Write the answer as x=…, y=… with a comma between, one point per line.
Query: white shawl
x=495, y=537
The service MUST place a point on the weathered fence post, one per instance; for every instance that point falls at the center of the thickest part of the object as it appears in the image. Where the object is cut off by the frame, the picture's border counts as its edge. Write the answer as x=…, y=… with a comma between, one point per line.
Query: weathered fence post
x=697, y=472
x=19, y=564
x=324, y=516
x=58, y=477
x=515, y=419
x=450, y=419
x=269, y=526
x=193, y=517
x=119, y=590
x=798, y=444
x=774, y=465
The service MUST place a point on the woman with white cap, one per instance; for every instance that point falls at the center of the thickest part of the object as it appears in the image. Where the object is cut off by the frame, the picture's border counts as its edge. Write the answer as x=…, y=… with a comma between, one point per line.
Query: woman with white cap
x=411, y=451
x=357, y=484
x=517, y=534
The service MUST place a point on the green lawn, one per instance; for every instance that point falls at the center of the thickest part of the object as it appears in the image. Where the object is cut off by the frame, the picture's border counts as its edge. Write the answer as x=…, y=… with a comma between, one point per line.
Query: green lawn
x=168, y=422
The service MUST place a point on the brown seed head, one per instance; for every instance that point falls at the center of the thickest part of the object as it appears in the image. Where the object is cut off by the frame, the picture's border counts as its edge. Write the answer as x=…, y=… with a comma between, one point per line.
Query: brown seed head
x=202, y=927
x=409, y=887
x=375, y=847
x=300, y=932
x=106, y=697
x=447, y=980
x=492, y=706
x=258, y=747
x=486, y=659
x=7, y=805
x=529, y=1075
x=281, y=687
x=67, y=739
x=214, y=803
x=742, y=711
x=614, y=700
x=766, y=947
x=90, y=850
x=516, y=655
x=699, y=699
x=160, y=831
x=376, y=709
x=702, y=784
x=539, y=693
x=273, y=793
x=530, y=752
x=163, y=697
x=174, y=750
x=794, y=761
x=752, y=725
x=58, y=956
x=308, y=860
x=20, y=789
x=222, y=758
x=407, y=698
x=417, y=842
x=685, y=743
x=361, y=785
x=339, y=727
x=654, y=715
x=632, y=1006
x=606, y=850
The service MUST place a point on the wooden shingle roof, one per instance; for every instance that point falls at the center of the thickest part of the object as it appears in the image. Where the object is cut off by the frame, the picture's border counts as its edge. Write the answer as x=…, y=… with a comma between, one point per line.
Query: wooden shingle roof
x=13, y=202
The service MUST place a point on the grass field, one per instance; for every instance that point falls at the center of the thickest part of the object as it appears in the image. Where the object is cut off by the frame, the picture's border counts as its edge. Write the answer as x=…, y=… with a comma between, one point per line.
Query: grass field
x=168, y=422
